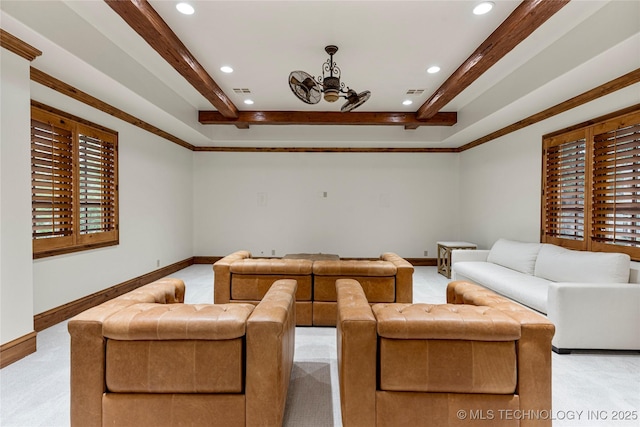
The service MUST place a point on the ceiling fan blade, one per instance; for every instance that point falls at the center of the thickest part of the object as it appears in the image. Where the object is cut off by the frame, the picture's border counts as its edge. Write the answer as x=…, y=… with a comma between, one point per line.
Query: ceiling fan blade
x=304, y=87
x=309, y=83
x=354, y=100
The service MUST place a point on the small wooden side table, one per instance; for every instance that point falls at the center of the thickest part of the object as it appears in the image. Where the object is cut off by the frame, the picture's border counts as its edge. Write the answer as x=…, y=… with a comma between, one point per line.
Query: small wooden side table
x=444, y=255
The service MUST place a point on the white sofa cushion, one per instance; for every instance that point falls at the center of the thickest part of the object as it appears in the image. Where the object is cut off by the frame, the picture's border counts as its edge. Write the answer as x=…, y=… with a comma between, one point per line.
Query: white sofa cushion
x=528, y=290
x=565, y=265
x=519, y=256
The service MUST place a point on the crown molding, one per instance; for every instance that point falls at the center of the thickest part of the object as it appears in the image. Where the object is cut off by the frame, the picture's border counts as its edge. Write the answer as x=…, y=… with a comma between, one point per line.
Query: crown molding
x=17, y=46
x=328, y=149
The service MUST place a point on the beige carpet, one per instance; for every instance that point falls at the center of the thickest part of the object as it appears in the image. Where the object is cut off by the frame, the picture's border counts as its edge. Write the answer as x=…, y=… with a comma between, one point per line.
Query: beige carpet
x=35, y=390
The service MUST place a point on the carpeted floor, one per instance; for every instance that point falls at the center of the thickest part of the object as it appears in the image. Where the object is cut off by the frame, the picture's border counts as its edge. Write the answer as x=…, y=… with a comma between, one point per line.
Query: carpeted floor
x=589, y=389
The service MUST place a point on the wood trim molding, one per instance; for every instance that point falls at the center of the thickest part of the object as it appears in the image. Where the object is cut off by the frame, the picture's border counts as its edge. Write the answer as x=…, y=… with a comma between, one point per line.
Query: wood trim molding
x=206, y=259
x=597, y=120
x=72, y=92
x=333, y=118
x=328, y=149
x=56, y=315
x=423, y=262
x=17, y=46
x=614, y=85
x=523, y=21
x=17, y=349
x=72, y=249
x=145, y=21
x=70, y=116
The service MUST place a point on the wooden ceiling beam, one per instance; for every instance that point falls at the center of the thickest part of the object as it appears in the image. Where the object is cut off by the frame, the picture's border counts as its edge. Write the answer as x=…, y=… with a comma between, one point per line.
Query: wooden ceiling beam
x=408, y=120
x=523, y=21
x=144, y=19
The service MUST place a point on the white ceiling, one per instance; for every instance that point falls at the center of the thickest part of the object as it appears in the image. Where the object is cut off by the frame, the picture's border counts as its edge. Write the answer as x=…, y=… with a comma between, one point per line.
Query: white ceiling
x=384, y=47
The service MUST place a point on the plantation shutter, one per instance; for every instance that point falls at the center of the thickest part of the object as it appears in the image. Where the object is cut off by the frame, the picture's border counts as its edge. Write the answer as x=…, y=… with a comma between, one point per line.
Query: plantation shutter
x=74, y=183
x=564, y=189
x=616, y=185
x=51, y=182
x=97, y=185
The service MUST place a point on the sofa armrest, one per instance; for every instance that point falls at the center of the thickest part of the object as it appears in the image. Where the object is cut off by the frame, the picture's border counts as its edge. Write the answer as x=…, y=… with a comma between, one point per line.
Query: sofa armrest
x=88, y=347
x=595, y=315
x=462, y=255
x=534, y=345
x=163, y=291
x=87, y=382
x=357, y=346
x=404, y=277
x=270, y=346
x=222, y=276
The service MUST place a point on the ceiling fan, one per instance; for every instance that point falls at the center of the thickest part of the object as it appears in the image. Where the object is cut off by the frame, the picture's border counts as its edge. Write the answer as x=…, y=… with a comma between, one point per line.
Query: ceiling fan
x=309, y=89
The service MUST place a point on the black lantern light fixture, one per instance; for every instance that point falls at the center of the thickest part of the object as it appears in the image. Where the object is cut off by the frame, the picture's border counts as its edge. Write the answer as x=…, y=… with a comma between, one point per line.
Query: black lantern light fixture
x=309, y=89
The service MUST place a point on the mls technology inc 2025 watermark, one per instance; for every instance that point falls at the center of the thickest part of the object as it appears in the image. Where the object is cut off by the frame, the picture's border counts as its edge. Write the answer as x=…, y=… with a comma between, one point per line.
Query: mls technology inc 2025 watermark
x=573, y=415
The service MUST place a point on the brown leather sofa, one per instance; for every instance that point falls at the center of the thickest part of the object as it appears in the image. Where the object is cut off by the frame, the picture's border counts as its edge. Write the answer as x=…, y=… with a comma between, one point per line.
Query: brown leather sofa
x=240, y=278
x=147, y=359
x=478, y=360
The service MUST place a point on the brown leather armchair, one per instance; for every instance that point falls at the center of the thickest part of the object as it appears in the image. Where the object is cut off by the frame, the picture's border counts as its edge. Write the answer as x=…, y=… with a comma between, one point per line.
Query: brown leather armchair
x=147, y=359
x=478, y=360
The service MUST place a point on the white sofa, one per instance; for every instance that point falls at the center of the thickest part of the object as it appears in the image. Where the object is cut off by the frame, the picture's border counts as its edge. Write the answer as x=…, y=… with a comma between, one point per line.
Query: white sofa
x=593, y=298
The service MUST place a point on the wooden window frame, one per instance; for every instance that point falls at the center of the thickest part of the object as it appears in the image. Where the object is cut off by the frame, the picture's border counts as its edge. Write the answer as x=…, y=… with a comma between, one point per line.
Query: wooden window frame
x=83, y=164
x=596, y=236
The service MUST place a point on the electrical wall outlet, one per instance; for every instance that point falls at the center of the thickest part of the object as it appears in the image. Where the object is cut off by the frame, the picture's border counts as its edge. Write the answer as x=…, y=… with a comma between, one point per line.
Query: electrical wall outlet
x=273, y=252
x=426, y=253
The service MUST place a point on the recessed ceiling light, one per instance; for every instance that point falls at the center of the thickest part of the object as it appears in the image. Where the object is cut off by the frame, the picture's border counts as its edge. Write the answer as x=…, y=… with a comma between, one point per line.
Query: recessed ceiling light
x=185, y=8
x=226, y=69
x=483, y=8
x=248, y=101
x=433, y=69
x=407, y=102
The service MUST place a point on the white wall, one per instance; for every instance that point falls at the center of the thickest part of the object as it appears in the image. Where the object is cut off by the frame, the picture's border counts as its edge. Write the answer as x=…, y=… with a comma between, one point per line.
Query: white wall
x=16, y=278
x=500, y=189
x=500, y=181
x=155, y=201
x=375, y=202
